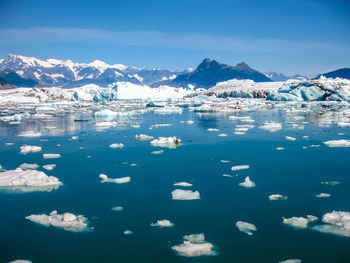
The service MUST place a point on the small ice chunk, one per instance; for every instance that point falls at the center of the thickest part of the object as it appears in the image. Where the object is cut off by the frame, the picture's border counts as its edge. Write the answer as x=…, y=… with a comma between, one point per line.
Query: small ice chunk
x=144, y=137
x=338, y=143
x=168, y=142
x=277, y=197
x=105, y=113
x=28, y=166
x=331, y=183
x=128, y=232
x=29, y=134
x=51, y=155
x=271, y=126
x=117, y=208
x=227, y=175
x=67, y=221
x=116, y=145
x=238, y=133
x=240, y=167
x=213, y=130
x=29, y=148
x=247, y=183
x=163, y=223
x=179, y=194
x=49, y=167
x=225, y=161
x=194, y=246
x=246, y=227
x=9, y=144
x=337, y=223
x=289, y=138
x=75, y=138
x=280, y=148
x=104, y=178
x=184, y=184
x=158, y=152
x=291, y=261
x=323, y=195
x=21, y=261
x=299, y=222
x=222, y=135
x=160, y=125
x=190, y=122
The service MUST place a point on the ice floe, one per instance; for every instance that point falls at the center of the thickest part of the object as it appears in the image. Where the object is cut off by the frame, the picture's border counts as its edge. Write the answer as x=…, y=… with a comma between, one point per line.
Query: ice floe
x=20, y=261
x=144, y=137
x=277, y=197
x=338, y=143
x=292, y=260
x=323, y=195
x=337, y=223
x=116, y=145
x=213, y=130
x=117, y=208
x=184, y=184
x=104, y=178
x=28, y=180
x=279, y=148
x=271, y=126
x=179, y=194
x=299, y=222
x=67, y=221
x=162, y=223
x=51, y=155
x=167, y=142
x=30, y=149
x=194, y=246
x=247, y=183
x=49, y=167
x=128, y=232
x=30, y=134
x=245, y=227
x=157, y=152
x=28, y=166
x=240, y=167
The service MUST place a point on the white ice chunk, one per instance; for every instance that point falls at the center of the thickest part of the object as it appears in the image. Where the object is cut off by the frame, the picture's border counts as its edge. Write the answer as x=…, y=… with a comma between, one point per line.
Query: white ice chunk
x=291, y=261
x=323, y=195
x=280, y=148
x=277, y=197
x=51, y=155
x=240, y=167
x=271, y=126
x=247, y=183
x=222, y=135
x=117, y=208
x=30, y=134
x=105, y=113
x=289, y=138
x=49, y=167
x=179, y=194
x=163, y=223
x=168, y=142
x=213, y=129
x=29, y=148
x=245, y=227
x=67, y=221
x=144, y=137
x=104, y=178
x=337, y=223
x=28, y=166
x=128, y=232
x=184, y=184
x=194, y=246
x=157, y=152
x=338, y=143
x=21, y=261
x=299, y=222
x=116, y=145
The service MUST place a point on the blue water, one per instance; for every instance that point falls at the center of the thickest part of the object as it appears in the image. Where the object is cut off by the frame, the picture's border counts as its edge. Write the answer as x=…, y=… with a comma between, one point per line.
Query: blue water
x=294, y=172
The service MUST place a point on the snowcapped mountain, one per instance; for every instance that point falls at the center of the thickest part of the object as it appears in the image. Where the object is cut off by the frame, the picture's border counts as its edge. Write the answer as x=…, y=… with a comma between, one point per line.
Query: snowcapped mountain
x=66, y=73
x=281, y=77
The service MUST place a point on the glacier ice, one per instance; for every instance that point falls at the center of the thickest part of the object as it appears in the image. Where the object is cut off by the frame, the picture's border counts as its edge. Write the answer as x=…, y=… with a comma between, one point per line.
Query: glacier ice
x=337, y=223
x=167, y=142
x=247, y=183
x=245, y=227
x=28, y=166
x=338, y=143
x=289, y=138
x=240, y=167
x=51, y=155
x=184, y=184
x=67, y=221
x=299, y=222
x=117, y=208
x=194, y=245
x=292, y=260
x=158, y=152
x=30, y=134
x=104, y=178
x=128, y=232
x=49, y=167
x=162, y=223
x=30, y=149
x=179, y=194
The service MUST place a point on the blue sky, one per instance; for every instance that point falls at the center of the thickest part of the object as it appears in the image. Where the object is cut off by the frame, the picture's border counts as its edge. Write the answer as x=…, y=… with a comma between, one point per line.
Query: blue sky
x=299, y=36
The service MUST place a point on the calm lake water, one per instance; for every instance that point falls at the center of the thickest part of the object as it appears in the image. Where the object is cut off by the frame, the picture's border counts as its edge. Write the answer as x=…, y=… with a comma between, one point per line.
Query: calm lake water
x=294, y=172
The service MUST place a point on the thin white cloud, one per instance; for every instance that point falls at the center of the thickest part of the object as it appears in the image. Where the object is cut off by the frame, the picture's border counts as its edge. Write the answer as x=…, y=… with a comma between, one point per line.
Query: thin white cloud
x=192, y=41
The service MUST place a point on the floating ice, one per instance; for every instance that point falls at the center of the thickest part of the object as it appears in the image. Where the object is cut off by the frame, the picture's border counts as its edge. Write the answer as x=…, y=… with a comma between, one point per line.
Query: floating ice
x=104, y=178
x=190, y=122
x=157, y=152
x=222, y=135
x=67, y=221
x=179, y=194
x=299, y=222
x=75, y=138
x=247, y=183
x=168, y=110
x=30, y=134
x=280, y=148
x=323, y=195
x=271, y=126
x=240, y=167
x=29, y=148
x=331, y=183
x=163, y=223
x=21, y=261
x=194, y=246
x=337, y=223
x=338, y=143
x=343, y=124
x=9, y=143
x=144, y=137
x=277, y=197
x=128, y=232
x=28, y=166
x=227, y=175
x=49, y=167
x=184, y=184
x=289, y=138
x=168, y=142
x=213, y=129
x=51, y=155
x=225, y=161
x=117, y=208
x=246, y=227
x=160, y=125
x=105, y=124
x=105, y=113
x=116, y=145
x=28, y=180
x=291, y=261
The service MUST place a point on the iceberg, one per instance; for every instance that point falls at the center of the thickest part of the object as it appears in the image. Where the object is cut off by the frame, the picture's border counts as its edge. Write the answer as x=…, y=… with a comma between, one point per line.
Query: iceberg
x=106, y=113
x=167, y=142
x=179, y=194
x=245, y=227
x=163, y=223
x=338, y=143
x=277, y=197
x=168, y=110
x=104, y=178
x=116, y=145
x=194, y=246
x=29, y=134
x=337, y=223
x=299, y=222
x=247, y=183
x=271, y=126
x=128, y=232
x=323, y=195
x=184, y=184
x=51, y=155
x=28, y=166
x=67, y=221
x=117, y=208
x=49, y=167
x=28, y=180
x=289, y=138
x=240, y=167
x=143, y=137
x=21, y=261
x=158, y=152
x=29, y=148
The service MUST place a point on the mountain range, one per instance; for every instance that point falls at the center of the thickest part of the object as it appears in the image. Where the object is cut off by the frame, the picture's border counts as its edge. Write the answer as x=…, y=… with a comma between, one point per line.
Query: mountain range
x=281, y=77
x=339, y=73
